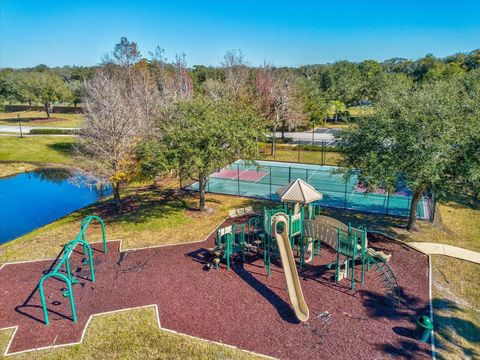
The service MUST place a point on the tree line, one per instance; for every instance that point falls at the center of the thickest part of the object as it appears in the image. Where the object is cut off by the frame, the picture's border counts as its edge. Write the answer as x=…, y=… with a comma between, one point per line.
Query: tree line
x=151, y=117
x=321, y=91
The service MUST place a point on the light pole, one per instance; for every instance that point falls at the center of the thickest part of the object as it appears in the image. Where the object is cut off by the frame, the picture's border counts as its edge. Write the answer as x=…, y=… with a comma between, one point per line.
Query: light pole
x=20, y=126
x=313, y=132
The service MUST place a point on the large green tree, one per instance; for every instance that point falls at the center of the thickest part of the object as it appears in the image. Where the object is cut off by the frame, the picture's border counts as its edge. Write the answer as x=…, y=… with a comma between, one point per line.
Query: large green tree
x=315, y=103
x=345, y=82
x=204, y=135
x=44, y=87
x=415, y=135
x=467, y=165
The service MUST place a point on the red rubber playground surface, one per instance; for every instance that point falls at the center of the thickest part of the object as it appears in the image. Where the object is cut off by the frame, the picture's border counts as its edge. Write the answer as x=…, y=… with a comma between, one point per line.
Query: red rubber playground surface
x=242, y=307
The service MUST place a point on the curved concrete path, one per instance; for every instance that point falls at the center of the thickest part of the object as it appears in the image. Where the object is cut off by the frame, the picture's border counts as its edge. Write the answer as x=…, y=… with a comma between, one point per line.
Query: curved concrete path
x=448, y=250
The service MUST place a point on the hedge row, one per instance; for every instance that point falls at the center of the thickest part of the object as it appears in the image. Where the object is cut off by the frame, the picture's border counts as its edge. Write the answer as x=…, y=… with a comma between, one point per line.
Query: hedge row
x=56, y=109
x=53, y=132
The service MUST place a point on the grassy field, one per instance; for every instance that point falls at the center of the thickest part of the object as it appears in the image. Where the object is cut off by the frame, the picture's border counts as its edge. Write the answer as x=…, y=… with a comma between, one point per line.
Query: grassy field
x=290, y=153
x=45, y=149
x=39, y=118
x=154, y=217
x=132, y=334
x=9, y=169
x=456, y=294
x=360, y=111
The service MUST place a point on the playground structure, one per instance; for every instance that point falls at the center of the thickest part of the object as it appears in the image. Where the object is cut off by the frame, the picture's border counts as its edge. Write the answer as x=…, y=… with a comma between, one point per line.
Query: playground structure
x=66, y=276
x=296, y=227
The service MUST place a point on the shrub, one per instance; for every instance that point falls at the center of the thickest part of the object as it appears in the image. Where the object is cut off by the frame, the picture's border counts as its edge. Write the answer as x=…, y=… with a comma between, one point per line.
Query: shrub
x=53, y=132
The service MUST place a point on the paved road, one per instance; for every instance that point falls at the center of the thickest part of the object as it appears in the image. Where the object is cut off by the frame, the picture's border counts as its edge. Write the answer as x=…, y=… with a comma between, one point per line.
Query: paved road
x=320, y=136
x=25, y=129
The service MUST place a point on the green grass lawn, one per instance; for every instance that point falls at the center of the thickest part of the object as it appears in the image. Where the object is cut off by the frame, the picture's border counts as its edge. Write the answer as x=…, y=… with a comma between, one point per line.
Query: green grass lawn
x=132, y=334
x=154, y=217
x=289, y=153
x=9, y=169
x=360, y=111
x=456, y=294
x=44, y=149
x=39, y=118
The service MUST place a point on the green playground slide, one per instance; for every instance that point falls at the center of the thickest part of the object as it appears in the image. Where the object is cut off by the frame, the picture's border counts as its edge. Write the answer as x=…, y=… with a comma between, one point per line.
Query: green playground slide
x=290, y=269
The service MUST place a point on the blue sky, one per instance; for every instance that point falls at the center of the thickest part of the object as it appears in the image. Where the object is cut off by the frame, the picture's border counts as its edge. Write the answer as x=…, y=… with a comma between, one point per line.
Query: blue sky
x=282, y=32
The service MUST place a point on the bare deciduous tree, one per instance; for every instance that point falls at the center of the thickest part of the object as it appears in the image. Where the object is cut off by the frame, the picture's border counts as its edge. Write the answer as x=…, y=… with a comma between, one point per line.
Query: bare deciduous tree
x=278, y=101
x=182, y=81
x=236, y=72
x=215, y=89
x=118, y=115
x=173, y=79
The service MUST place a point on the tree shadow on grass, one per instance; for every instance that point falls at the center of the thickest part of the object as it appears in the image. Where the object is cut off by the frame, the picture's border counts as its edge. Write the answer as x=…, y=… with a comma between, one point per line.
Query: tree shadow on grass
x=141, y=206
x=458, y=201
x=450, y=328
x=64, y=147
x=27, y=120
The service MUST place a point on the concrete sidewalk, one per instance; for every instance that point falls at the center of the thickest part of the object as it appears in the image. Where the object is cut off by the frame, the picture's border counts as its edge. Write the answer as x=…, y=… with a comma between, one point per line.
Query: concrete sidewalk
x=448, y=250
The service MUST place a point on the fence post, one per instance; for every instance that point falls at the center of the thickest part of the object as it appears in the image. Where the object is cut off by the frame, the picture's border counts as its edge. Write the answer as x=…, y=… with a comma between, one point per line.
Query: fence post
x=345, y=201
x=409, y=205
x=323, y=152
x=298, y=147
x=289, y=173
x=238, y=178
x=270, y=174
x=388, y=202
x=433, y=202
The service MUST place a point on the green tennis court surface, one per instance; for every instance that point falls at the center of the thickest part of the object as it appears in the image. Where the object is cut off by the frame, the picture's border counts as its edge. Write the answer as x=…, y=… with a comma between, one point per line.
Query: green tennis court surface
x=263, y=178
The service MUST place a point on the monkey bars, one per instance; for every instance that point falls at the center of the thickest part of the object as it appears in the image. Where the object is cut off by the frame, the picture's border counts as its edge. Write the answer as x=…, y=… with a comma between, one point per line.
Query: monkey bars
x=66, y=276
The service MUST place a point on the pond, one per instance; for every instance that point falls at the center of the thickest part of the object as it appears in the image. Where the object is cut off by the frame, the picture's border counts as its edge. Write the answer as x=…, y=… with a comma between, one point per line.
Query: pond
x=34, y=199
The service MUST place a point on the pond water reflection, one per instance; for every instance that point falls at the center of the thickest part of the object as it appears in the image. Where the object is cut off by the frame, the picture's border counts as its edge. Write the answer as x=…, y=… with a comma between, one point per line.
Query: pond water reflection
x=33, y=199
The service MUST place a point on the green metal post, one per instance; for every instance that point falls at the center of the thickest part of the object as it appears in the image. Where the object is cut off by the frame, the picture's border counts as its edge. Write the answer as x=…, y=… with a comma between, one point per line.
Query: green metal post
x=363, y=252
x=70, y=295
x=67, y=268
x=242, y=242
x=337, y=263
x=353, y=260
x=269, y=249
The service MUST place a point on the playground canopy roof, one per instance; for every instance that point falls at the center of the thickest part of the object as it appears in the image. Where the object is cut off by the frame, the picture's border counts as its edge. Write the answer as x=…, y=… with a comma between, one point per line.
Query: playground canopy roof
x=298, y=191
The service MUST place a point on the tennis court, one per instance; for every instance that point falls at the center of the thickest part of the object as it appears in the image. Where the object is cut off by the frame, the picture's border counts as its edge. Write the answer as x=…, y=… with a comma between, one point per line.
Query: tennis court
x=262, y=178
